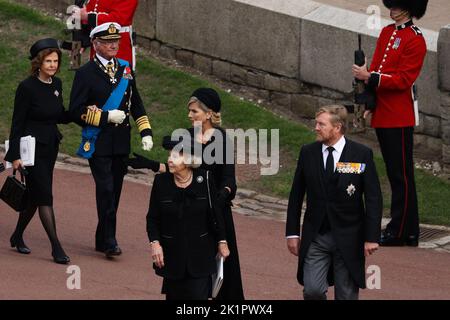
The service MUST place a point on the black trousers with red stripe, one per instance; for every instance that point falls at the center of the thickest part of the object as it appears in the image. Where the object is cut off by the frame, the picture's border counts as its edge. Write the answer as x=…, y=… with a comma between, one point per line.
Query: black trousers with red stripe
x=397, y=148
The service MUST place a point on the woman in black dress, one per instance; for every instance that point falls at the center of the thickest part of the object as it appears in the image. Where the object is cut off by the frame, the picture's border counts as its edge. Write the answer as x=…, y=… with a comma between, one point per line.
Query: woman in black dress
x=38, y=108
x=184, y=227
x=204, y=114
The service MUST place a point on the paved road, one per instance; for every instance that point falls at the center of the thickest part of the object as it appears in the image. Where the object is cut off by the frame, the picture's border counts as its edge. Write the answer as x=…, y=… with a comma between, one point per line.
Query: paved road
x=268, y=269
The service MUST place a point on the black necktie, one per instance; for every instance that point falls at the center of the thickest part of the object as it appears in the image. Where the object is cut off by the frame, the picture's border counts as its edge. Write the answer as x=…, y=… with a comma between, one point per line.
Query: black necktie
x=329, y=168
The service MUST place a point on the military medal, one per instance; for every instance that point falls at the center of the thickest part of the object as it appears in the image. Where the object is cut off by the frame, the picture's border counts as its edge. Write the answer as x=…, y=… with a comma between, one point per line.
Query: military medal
x=127, y=73
x=396, y=43
x=351, y=189
x=199, y=179
x=109, y=70
x=350, y=167
x=87, y=146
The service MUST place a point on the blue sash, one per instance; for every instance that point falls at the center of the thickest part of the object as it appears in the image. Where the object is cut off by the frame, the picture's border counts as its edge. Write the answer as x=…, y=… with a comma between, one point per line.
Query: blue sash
x=89, y=134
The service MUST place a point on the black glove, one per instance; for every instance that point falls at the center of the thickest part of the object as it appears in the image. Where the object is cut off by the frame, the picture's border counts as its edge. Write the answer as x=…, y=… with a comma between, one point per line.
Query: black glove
x=2, y=167
x=140, y=162
x=222, y=197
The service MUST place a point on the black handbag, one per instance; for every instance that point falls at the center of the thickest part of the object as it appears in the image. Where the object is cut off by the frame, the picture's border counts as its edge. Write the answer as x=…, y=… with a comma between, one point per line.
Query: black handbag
x=14, y=192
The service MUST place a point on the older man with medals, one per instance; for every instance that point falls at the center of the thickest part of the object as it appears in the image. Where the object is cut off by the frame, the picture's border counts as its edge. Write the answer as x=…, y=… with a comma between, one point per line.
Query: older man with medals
x=103, y=96
x=342, y=222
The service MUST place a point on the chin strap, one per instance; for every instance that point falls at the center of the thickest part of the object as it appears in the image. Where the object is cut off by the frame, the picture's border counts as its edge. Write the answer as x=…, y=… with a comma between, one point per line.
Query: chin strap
x=402, y=14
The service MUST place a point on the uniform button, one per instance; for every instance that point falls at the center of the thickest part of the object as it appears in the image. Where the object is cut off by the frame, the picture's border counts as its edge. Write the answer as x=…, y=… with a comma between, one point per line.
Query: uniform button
x=116, y=125
x=381, y=67
x=387, y=49
x=389, y=44
x=128, y=124
x=128, y=114
x=385, y=55
x=384, y=60
x=392, y=38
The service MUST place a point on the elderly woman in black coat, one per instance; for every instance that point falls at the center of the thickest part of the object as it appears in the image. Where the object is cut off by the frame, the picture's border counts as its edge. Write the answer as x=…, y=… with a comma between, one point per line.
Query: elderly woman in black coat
x=184, y=226
x=204, y=113
x=38, y=108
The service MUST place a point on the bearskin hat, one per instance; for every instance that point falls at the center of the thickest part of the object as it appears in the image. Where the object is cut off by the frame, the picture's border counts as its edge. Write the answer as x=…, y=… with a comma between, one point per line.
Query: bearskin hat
x=416, y=8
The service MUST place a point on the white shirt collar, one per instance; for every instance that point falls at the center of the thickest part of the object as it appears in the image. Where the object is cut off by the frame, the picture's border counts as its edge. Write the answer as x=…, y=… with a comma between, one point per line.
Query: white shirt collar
x=103, y=60
x=338, y=146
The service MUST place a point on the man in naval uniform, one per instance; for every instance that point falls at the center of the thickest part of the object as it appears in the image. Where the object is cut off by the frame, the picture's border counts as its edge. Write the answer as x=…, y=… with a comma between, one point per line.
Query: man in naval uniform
x=395, y=66
x=104, y=95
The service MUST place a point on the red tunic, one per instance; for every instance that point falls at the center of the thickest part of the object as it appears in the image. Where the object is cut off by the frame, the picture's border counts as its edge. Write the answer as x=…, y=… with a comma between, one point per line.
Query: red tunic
x=120, y=11
x=396, y=64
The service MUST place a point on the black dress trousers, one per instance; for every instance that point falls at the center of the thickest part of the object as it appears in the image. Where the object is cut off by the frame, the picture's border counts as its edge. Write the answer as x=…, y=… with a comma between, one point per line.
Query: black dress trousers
x=108, y=175
x=397, y=148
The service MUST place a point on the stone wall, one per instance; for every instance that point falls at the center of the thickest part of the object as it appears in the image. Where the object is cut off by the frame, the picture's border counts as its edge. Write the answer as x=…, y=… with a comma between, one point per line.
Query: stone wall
x=295, y=54
x=444, y=85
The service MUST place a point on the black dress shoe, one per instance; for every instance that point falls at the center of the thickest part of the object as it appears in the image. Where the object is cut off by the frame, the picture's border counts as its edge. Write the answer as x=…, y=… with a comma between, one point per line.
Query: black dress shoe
x=388, y=240
x=99, y=247
x=113, y=251
x=412, y=241
x=19, y=245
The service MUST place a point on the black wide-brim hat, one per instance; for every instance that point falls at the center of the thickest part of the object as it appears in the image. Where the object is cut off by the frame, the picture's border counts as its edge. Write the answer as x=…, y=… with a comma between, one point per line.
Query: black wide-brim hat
x=41, y=45
x=416, y=8
x=209, y=97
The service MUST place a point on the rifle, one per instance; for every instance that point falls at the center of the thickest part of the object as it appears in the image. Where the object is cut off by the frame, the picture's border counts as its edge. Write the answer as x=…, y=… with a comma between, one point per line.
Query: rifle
x=80, y=36
x=364, y=97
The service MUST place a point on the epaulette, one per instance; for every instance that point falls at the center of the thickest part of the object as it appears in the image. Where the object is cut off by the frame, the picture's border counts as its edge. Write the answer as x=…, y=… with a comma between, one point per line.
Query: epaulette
x=416, y=30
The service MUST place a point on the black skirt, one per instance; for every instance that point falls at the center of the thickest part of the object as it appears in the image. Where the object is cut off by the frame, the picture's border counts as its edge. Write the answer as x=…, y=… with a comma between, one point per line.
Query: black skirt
x=39, y=180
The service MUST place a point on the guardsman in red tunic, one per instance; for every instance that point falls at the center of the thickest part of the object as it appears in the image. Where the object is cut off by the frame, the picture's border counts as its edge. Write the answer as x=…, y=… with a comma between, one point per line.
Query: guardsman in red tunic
x=395, y=66
x=97, y=12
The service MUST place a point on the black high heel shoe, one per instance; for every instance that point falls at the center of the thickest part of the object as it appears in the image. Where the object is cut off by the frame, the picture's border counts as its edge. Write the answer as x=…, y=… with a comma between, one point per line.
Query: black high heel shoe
x=59, y=256
x=19, y=245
